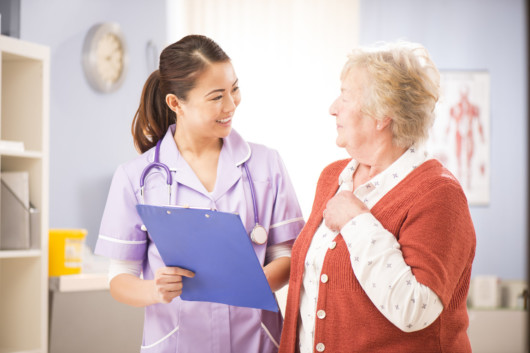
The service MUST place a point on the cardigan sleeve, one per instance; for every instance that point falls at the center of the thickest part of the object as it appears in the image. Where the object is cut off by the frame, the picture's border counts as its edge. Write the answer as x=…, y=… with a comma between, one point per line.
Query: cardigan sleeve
x=386, y=278
x=438, y=239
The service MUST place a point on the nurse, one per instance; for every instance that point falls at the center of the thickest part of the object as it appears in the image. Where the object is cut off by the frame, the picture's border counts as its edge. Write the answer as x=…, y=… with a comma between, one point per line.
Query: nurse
x=188, y=105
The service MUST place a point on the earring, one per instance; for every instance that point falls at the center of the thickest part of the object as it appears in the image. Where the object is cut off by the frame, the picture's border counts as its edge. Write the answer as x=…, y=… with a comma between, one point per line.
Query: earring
x=379, y=126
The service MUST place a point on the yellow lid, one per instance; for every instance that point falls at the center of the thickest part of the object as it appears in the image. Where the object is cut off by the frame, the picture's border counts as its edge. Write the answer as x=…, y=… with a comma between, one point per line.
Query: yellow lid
x=68, y=233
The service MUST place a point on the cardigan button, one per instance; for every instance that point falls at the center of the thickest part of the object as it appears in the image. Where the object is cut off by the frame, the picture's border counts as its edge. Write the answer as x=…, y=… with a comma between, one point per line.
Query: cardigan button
x=324, y=278
x=320, y=347
x=321, y=314
x=333, y=245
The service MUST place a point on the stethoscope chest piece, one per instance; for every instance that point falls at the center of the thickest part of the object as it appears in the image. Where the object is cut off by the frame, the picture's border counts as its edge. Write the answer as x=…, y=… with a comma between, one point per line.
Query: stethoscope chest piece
x=258, y=235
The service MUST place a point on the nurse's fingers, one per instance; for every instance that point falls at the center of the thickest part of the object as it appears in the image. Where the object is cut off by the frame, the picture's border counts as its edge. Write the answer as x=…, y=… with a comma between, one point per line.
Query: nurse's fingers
x=166, y=296
x=165, y=292
x=167, y=280
x=183, y=272
x=177, y=271
x=169, y=276
x=172, y=287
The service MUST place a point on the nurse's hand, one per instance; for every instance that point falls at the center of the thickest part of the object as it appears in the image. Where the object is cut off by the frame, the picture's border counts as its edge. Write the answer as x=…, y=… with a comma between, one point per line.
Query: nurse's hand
x=342, y=208
x=168, y=283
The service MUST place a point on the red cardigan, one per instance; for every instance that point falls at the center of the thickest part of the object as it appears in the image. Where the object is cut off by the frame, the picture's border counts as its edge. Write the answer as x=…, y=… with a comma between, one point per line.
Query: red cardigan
x=429, y=215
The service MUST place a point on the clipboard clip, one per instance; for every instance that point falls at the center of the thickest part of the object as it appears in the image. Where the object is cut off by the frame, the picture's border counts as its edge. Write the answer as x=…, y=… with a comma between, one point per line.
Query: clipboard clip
x=185, y=206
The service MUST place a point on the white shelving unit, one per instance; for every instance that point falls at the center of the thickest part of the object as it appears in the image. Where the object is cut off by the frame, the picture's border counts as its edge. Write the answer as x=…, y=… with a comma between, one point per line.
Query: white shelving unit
x=24, y=117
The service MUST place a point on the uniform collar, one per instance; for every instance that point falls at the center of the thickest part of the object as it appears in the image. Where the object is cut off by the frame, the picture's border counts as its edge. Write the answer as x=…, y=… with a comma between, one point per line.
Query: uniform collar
x=234, y=153
x=236, y=150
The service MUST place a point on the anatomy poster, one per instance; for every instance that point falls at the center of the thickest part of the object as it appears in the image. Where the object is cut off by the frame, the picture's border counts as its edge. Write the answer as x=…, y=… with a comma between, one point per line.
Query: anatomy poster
x=460, y=137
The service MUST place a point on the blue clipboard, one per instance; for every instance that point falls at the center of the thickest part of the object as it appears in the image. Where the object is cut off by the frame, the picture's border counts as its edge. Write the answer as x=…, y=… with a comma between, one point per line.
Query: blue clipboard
x=216, y=247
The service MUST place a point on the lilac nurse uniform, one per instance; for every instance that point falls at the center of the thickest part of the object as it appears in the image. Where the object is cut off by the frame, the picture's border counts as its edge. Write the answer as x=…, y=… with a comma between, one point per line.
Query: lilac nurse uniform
x=201, y=327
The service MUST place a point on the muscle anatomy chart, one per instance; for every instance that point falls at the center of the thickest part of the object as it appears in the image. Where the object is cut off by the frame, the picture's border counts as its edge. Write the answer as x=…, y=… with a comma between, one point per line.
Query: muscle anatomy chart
x=460, y=136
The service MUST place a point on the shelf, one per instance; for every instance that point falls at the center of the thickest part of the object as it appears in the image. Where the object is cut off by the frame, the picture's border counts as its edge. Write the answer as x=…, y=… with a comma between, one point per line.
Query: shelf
x=80, y=282
x=12, y=254
x=23, y=154
x=10, y=350
x=16, y=50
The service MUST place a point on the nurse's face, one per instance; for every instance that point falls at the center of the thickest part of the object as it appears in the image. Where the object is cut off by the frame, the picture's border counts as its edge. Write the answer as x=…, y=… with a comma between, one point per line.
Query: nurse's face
x=355, y=130
x=210, y=106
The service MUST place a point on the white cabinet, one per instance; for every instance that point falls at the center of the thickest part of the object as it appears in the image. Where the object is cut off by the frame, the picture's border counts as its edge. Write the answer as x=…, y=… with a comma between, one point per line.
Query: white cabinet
x=24, y=117
x=84, y=317
x=498, y=330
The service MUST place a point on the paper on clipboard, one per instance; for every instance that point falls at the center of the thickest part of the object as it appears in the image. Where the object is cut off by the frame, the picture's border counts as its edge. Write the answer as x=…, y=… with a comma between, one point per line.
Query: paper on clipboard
x=216, y=247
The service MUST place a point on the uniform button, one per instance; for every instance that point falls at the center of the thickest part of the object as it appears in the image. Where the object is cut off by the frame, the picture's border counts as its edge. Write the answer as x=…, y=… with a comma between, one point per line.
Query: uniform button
x=324, y=278
x=321, y=314
x=320, y=347
x=332, y=245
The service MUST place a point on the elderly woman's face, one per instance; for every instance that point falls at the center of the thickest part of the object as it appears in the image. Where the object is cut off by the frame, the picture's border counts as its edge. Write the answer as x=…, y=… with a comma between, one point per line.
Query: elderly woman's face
x=355, y=130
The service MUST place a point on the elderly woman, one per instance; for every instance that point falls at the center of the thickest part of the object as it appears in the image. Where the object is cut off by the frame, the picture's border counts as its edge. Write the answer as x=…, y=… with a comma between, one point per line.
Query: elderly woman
x=384, y=261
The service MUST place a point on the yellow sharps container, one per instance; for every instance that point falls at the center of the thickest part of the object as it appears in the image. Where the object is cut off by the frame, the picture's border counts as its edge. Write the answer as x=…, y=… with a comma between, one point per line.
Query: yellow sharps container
x=65, y=251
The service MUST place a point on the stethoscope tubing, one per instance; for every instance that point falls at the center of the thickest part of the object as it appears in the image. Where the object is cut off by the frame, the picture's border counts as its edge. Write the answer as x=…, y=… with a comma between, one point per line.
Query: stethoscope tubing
x=253, y=195
x=156, y=164
x=258, y=229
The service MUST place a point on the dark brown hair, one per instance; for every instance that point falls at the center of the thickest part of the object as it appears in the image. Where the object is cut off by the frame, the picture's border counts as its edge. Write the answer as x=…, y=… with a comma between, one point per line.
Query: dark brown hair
x=181, y=63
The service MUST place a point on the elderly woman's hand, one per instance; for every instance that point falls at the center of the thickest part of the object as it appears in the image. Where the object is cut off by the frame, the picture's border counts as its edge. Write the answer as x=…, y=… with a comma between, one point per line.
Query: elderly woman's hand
x=342, y=208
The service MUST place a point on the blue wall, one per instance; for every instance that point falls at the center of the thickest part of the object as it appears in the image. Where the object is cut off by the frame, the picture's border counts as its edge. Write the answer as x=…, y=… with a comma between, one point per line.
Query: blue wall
x=89, y=131
x=478, y=35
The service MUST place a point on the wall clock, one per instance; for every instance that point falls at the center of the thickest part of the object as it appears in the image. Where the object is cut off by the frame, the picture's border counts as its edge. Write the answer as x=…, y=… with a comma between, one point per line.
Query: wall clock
x=105, y=57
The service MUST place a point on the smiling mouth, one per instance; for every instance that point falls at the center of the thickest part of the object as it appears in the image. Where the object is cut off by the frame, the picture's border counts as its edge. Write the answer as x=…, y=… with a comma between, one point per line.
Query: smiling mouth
x=224, y=121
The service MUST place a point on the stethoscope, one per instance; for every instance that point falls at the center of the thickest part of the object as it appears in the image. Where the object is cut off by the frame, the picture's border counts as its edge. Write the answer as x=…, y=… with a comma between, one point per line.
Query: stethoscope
x=258, y=234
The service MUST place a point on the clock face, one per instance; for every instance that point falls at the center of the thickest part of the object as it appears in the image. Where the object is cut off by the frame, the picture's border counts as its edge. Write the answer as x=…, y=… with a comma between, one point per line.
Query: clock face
x=105, y=57
x=109, y=52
